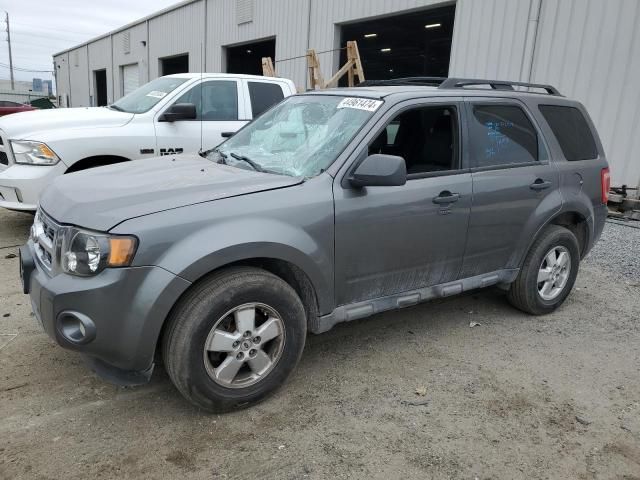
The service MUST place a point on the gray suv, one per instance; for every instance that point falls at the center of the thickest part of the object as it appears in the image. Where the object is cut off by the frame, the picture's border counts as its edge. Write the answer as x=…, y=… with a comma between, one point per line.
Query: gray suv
x=332, y=206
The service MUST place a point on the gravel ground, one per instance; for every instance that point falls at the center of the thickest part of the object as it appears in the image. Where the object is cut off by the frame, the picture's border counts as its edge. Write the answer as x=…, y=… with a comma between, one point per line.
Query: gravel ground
x=618, y=251
x=516, y=397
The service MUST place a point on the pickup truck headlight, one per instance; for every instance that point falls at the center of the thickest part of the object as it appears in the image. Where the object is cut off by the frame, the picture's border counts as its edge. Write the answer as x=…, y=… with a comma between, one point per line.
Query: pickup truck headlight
x=88, y=253
x=33, y=153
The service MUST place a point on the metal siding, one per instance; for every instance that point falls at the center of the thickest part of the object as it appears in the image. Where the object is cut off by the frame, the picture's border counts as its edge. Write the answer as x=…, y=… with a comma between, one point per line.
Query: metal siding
x=269, y=20
x=79, y=77
x=137, y=55
x=489, y=38
x=99, y=59
x=63, y=86
x=176, y=32
x=589, y=50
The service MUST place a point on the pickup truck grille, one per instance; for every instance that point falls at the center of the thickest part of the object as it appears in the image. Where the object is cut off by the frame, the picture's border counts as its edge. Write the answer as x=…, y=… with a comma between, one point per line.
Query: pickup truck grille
x=44, y=234
x=5, y=152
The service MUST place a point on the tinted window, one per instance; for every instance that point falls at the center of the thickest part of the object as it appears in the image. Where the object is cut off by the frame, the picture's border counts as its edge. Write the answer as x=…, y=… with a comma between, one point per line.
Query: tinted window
x=424, y=137
x=215, y=100
x=264, y=96
x=502, y=135
x=572, y=132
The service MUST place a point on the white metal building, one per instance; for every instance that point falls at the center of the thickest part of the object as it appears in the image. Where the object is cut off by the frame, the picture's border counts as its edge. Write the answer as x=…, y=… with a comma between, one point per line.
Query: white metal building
x=588, y=49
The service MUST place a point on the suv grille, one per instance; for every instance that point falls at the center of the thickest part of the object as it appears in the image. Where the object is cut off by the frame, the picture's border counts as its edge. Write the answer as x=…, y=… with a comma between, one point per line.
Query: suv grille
x=4, y=160
x=44, y=234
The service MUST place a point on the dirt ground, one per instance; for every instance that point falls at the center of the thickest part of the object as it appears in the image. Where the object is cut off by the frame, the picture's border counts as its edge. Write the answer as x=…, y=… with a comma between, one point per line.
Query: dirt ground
x=515, y=397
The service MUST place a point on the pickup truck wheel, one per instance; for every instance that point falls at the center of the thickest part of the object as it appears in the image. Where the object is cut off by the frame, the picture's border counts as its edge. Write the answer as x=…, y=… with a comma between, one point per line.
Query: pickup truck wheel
x=234, y=339
x=548, y=273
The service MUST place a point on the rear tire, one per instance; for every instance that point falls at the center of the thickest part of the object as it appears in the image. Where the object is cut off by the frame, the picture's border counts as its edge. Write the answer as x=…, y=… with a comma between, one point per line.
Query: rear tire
x=548, y=272
x=234, y=339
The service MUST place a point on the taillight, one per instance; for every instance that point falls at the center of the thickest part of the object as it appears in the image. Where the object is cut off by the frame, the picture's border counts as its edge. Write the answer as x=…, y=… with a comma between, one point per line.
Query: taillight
x=605, y=184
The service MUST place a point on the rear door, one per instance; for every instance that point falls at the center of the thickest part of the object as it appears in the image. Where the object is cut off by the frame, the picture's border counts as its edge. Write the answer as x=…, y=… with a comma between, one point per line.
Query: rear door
x=515, y=184
x=220, y=107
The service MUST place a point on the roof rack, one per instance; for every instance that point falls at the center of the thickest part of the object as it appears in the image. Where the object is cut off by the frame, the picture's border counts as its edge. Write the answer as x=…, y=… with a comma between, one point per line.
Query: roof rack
x=447, y=83
x=496, y=84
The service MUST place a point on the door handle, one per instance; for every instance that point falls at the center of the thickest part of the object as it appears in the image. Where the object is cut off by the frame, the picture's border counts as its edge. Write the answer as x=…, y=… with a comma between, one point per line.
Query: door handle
x=540, y=184
x=227, y=134
x=446, y=197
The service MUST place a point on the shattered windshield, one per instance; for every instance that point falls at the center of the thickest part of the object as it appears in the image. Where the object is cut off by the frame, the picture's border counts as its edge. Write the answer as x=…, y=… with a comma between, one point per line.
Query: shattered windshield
x=300, y=137
x=144, y=98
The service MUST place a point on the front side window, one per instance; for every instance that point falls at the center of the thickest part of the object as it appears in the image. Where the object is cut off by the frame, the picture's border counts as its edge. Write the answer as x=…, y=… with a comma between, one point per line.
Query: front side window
x=572, y=132
x=214, y=100
x=263, y=96
x=301, y=136
x=425, y=137
x=502, y=135
x=147, y=96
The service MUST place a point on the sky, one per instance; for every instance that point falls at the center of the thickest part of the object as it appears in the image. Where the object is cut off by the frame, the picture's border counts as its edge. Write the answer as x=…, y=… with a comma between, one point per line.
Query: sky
x=40, y=28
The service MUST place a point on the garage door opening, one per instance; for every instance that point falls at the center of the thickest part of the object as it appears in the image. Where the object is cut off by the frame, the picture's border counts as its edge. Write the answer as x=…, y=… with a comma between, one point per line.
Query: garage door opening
x=407, y=45
x=130, y=75
x=100, y=86
x=177, y=64
x=247, y=58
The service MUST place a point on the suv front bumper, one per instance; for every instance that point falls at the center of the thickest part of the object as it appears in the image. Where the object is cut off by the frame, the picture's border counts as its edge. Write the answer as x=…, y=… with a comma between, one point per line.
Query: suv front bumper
x=21, y=185
x=121, y=311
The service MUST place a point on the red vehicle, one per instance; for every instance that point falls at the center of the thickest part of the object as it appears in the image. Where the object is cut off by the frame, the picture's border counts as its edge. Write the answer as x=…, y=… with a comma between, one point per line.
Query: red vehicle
x=7, y=107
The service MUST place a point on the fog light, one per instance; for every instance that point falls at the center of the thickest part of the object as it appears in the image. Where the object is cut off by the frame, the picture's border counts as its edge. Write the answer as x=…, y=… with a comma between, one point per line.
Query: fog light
x=76, y=327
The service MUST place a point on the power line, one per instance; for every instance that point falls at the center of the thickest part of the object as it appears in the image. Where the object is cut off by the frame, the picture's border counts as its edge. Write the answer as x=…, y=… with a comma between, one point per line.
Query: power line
x=22, y=69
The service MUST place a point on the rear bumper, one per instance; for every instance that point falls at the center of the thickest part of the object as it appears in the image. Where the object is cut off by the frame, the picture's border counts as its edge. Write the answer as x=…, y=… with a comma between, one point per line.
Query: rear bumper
x=21, y=185
x=599, y=218
x=122, y=311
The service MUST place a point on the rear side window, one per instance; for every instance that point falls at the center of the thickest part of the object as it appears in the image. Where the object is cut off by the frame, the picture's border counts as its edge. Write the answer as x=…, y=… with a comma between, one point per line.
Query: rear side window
x=502, y=135
x=572, y=132
x=263, y=96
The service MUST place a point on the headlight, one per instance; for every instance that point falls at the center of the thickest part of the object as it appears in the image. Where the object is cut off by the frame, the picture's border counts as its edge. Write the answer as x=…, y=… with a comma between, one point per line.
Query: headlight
x=33, y=153
x=88, y=253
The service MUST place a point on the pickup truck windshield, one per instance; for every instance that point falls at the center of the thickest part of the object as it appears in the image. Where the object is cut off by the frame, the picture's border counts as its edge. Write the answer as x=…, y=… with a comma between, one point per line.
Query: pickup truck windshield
x=301, y=136
x=142, y=99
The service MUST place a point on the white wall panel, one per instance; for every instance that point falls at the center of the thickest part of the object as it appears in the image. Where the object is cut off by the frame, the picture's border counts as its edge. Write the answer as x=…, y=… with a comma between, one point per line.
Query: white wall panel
x=590, y=50
x=489, y=38
x=100, y=59
x=176, y=32
x=79, y=77
x=136, y=53
x=286, y=20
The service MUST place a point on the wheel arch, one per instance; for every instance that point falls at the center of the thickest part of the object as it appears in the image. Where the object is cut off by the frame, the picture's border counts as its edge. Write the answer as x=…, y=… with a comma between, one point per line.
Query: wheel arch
x=96, y=161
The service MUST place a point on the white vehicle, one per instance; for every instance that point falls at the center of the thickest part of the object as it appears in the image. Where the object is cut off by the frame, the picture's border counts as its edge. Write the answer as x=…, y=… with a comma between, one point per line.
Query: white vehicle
x=182, y=113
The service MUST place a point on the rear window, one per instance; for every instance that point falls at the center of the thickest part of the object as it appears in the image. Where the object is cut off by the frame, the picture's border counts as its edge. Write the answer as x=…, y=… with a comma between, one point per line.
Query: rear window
x=264, y=96
x=572, y=132
x=502, y=135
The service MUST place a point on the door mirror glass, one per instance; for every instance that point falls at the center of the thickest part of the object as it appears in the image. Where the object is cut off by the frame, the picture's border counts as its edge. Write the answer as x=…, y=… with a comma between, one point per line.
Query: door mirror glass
x=379, y=170
x=179, y=111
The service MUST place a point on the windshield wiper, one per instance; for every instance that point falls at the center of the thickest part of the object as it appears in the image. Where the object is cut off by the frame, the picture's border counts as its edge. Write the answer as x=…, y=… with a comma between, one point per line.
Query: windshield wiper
x=246, y=159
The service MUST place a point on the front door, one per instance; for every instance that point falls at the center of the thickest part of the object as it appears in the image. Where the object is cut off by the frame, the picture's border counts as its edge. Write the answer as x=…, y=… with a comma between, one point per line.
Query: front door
x=397, y=239
x=512, y=179
x=220, y=107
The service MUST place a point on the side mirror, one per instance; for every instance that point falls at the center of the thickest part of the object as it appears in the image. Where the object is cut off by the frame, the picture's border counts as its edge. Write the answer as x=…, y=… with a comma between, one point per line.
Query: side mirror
x=380, y=170
x=179, y=111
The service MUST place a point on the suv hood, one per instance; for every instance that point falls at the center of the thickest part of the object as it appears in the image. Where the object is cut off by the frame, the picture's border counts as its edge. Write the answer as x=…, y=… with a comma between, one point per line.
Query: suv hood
x=27, y=125
x=101, y=198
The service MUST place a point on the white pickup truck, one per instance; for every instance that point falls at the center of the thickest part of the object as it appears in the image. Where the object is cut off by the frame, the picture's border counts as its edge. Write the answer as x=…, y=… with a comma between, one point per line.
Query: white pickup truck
x=169, y=115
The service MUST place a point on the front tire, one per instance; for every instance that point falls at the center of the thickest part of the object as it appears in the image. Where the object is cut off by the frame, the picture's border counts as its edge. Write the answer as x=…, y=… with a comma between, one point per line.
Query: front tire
x=548, y=273
x=234, y=339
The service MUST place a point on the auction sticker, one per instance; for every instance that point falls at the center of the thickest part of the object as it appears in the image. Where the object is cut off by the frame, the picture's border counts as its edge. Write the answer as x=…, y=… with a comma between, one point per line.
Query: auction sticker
x=360, y=103
x=156, y=94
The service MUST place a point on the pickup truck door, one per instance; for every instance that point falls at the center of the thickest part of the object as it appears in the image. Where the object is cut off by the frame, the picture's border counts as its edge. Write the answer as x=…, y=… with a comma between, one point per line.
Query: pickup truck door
x=515, y=185
x=220, y=107
x=390, y=240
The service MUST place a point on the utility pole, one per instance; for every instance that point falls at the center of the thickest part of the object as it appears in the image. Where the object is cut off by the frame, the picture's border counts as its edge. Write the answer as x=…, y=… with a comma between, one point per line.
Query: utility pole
x=6, y=19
